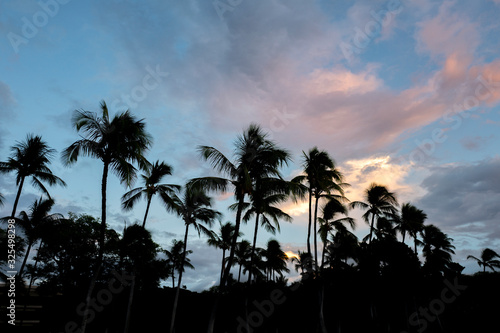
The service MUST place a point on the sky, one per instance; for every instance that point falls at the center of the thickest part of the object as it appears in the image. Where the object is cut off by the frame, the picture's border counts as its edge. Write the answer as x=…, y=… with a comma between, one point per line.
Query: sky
x=403, y=93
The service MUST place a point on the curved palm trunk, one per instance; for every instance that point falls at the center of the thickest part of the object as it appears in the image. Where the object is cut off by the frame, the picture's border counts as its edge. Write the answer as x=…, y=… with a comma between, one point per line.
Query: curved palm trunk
x=316, y=233
x=18, y=195
x=25, y=259
x=147, y=211
x=101, y=245
x=252, y=256
x=235, y=241
x=176, y=299
x=309, y=226
x=371, y=228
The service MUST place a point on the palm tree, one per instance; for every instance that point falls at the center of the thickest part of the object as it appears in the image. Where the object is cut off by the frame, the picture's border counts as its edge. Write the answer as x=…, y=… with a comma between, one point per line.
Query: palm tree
x=256, y=158
x=174, y=259
x=328, y=223
x=411, y=221
x=268, y=193
x=31, y=159
x=303, y=262
x=152, y=177
x=117, y=142
x=323, y=180
x=33, y=222
x=276, y=259
x=487, y=259
x=195, y=209
x=223, y=241
x=242, y=255
x=437, y=249
x=378, y=202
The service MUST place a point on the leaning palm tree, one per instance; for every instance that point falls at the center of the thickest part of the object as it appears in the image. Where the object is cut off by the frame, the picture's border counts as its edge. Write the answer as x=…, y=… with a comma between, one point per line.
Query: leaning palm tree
x=195, y=210
x=33, y=222
x=323, y=180
x=378, y=202
x=411, y=221
x=487, y=259
x=256, y=157
x=31, y=158
x=117, y=142
x=152, y=177
x=222, y=241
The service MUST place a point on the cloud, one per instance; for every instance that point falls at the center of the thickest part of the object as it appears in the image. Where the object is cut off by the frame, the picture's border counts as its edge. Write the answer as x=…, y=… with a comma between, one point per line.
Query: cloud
x=463, y=199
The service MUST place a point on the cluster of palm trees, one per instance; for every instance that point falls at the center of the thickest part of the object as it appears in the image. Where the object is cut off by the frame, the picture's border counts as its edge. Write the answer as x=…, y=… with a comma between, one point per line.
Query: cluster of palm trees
x=253, y=175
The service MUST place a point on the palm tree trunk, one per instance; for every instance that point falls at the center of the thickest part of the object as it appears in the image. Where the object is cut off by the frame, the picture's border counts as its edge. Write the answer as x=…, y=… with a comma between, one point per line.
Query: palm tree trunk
x=101, y=245
x=25, y=259
x=371, y=228
x=147, y=211
x=323, y=253
x=404, y=234
x=130, y=301
x=235, y=241
x=176, y=299
x=309, y=226
x=32, y=279
x=239, y=273
x=316, y=233
x=222, y=266
x=17, y=197
x=252, y=255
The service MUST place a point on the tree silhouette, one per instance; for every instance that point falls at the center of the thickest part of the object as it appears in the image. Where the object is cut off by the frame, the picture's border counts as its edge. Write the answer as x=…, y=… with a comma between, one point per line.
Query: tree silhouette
x=242, y=255
x=223, y=240
x=323, y=180
x=276, y=259
x=31, y=159
x=411, y=221
x=378, y=202
x=152, y=177
x=117, y=142
x=256, y=158
x=487, y=259
x=195, y=210
x=437, y=250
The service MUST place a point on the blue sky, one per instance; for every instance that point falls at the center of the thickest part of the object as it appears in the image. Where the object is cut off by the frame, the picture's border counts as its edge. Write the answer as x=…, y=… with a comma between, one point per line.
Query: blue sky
x=404, y=93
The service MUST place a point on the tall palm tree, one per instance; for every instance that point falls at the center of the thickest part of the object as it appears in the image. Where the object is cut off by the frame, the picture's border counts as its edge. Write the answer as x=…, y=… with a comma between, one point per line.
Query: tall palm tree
x=256, y=157
x=195, y=210
x=152, y=177
x=242, y=255
x=328, y=223
x=487, y=259
x=117, y=142
x=276, y=259
x=323, y=180
x=378, y=202
x=411, y=221
x=33, y=222
x=31, y=158
x=223, y=240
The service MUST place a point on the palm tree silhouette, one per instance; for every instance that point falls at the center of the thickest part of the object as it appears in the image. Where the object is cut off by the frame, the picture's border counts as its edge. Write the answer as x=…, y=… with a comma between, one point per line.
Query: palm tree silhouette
x=411, y=221
x=256, y=158
x=194, y=209
x=117, y=142
x=303, y=262
x=323, y=180
x=223, y=241
x=152, y=177
x=328, y=223
x=242, y=255
x=276, y=259
x=31, y=159
x=437, y=250
x=32, y=224
x=378, y=202
x=174, y=259
x=487, y=259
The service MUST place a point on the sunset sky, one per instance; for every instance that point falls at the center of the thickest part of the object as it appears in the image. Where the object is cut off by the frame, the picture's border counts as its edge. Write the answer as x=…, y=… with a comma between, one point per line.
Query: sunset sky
x=402, y=93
